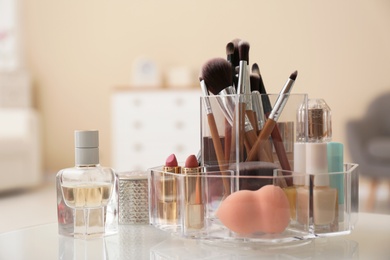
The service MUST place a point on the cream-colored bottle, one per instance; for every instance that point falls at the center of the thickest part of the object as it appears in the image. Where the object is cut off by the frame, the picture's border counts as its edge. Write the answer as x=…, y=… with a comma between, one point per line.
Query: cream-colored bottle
x=324, y=196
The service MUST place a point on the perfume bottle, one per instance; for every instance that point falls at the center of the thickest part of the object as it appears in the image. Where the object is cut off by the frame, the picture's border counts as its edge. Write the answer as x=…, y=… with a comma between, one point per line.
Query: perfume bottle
x=87, y=193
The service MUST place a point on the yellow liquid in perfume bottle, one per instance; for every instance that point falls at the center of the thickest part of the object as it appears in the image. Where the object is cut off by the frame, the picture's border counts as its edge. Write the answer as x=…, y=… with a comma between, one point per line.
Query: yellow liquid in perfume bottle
x=86, y=195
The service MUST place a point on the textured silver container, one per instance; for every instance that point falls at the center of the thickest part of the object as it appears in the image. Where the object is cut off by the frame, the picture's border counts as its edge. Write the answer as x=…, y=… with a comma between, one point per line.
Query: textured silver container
x=133, y=202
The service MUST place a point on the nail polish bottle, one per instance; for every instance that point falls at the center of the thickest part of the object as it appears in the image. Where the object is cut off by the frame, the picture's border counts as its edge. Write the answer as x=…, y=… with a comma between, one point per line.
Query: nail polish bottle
x=87, y=193
x=324, y=196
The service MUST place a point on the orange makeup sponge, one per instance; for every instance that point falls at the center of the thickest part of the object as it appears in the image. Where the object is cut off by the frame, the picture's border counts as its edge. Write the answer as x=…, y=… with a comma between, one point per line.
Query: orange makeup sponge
x=265, y=210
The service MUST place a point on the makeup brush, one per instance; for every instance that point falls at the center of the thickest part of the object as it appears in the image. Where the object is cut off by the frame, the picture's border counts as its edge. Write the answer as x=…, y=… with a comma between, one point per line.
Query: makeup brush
x=259, y=112
x=236, y=56
x=216, y=74
x=214, y=134
x=256, y=102
x=230, y=57
x=244, y=87
x=273, y=117
x=228, y=128
x=275, y=134
x=212, y=125
x=235, y=61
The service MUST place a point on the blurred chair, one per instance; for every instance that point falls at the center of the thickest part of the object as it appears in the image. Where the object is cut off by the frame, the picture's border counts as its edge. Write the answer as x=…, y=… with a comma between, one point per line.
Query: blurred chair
x=20, y=141
x=368, y=140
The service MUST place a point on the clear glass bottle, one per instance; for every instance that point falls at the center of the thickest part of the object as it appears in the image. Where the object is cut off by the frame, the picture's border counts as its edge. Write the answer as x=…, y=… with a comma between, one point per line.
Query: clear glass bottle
x=87, y=193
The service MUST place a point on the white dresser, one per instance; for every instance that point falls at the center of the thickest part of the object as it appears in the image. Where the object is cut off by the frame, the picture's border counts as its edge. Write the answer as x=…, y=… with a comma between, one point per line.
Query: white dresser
x=149, y=125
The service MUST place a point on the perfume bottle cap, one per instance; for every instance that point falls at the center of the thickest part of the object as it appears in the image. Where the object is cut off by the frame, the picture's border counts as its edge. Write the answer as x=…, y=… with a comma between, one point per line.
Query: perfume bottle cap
x=87, y=147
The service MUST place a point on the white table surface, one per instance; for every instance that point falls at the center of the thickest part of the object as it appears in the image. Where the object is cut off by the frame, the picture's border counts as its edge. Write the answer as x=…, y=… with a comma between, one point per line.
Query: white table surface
x=369, y=240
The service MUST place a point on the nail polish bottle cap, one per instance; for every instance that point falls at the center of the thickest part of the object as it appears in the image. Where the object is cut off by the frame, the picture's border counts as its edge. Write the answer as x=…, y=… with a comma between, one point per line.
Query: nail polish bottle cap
x=299, y=163
x=87, y=147
x=317, y=163
x=317, y=115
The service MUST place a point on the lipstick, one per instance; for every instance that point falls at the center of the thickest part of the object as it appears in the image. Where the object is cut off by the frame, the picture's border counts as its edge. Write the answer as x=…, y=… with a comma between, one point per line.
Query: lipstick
x=167, y=197
x=193, y=195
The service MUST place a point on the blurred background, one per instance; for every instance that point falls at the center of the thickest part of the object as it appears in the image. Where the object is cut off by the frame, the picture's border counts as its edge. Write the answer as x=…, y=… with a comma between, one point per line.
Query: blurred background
x=68, y=64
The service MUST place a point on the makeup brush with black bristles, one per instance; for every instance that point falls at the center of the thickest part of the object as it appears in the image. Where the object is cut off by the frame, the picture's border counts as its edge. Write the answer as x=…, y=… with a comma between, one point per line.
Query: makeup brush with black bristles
x=217, y=76
x=230, y=57
x=275, y=134
x=222, y=163
x=243, y=74
x=228, y=127
x=257, y=103
x=236, y=56
x=235, y=61
x=264, y=97
x=244, y=87
x=259, y=112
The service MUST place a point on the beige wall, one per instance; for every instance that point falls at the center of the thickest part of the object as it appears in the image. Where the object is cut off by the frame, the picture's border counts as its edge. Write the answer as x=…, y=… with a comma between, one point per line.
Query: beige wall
x=78, y=50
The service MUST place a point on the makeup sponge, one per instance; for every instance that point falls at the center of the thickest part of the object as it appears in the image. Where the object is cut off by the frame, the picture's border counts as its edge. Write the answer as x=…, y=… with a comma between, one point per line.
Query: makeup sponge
x=266, y=210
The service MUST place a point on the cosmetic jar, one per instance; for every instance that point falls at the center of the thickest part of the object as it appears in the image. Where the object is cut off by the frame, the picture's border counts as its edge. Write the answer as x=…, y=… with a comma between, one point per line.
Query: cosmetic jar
x=133, y=202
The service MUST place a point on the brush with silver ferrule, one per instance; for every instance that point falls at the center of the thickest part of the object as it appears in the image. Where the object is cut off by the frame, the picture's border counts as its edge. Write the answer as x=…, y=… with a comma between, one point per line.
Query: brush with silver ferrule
x=235, y=61
x=216, y=74
x=277, y=139
x=283, y=97
x=212, y=125
x=257, y=103
x=244, y=87
x=230, y=57
x=273, y=117
x=219, y=152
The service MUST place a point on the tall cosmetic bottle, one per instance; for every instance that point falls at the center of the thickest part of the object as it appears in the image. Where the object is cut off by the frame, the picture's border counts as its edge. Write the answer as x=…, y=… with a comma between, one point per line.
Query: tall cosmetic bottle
x=193, y=194
x=336, y=167
x=324, y=196
x=86, y=193
x=317, y=199
x=299, y=176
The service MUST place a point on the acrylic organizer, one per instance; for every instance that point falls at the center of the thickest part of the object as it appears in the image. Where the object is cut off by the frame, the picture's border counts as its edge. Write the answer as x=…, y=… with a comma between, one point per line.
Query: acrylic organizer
x=201, y=208
x=262, y=199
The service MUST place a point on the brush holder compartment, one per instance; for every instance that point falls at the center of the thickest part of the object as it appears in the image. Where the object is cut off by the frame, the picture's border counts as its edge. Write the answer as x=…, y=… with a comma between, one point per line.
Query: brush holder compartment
x=226, y=123
x=269, y=215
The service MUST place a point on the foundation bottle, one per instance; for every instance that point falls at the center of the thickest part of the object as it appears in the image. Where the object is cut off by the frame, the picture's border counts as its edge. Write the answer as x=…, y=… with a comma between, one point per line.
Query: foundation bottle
x=316, y=199
x=86, y=193
x=324, y=196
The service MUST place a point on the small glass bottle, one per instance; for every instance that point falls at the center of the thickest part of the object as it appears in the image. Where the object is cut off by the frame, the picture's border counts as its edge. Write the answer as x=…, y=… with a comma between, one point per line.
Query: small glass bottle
x=87, y=193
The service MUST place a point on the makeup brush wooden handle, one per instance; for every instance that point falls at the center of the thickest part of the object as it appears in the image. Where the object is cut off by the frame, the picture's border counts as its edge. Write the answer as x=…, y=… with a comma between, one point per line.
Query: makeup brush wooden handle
x=281, y=151
x=250, y=139
x=238, y=133
x=261, y=139
x=252, y=119
x=218, y=150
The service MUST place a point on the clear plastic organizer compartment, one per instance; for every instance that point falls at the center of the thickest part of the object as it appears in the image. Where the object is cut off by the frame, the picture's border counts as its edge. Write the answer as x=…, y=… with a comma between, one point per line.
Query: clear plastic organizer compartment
x=230, y=133
x=217, y=205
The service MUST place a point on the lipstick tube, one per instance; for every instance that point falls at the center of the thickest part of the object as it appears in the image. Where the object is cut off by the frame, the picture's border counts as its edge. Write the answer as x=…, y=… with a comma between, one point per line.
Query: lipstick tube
x=193, y=196
x=167, y=196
